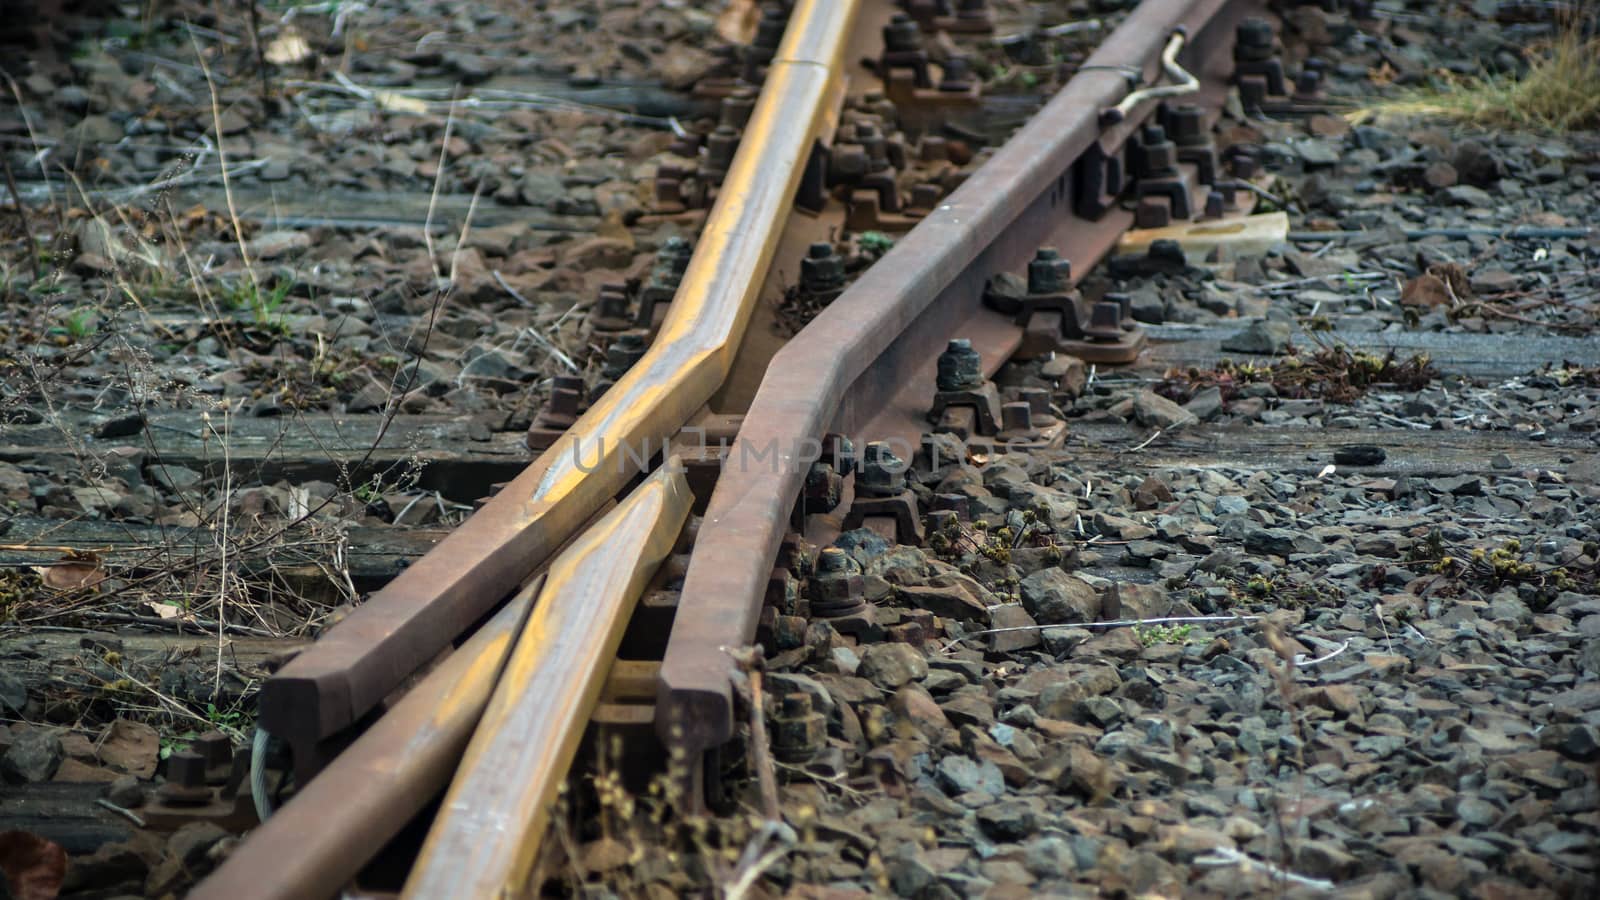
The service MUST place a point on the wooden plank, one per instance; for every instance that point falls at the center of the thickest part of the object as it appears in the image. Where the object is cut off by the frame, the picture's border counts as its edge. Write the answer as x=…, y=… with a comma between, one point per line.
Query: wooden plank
x=459, y=458
x=370, y=554
x=1477, y=355
x=1306, y=450
x=64, y=813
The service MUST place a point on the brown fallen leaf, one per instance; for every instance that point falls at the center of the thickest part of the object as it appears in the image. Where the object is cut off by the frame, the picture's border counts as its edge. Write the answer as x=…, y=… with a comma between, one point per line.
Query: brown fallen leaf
x=34, y=866
x=1426, y=290
x=77, y=571
x=1455, y=278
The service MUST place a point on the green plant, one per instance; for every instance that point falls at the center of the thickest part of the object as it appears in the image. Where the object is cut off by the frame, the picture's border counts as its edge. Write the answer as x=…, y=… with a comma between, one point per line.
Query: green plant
x=369, y=491
x=233, y=721
x=1163, y=634
x=874, y=243
x=77, y=324
x=248, y=296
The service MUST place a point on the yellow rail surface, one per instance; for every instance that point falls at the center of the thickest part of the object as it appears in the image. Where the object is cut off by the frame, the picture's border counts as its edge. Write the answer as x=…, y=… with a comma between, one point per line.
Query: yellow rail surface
x=486, y=838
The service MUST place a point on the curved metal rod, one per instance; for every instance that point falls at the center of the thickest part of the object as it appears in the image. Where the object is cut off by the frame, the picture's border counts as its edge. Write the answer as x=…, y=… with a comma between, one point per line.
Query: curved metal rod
x=1187, y=83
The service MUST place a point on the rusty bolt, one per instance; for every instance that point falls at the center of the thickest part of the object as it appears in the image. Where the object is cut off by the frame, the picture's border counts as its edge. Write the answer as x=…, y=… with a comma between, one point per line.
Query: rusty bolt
x=821, y=269
x=186, y=780
x=823, y=489
x=1187, y=126
x=836, y=586
x=1158, y=157
x=902, y=35
x=798, y=730
x=737, y=106
x=843, y=453
x=1105, y=321
x=882, y=473
x=957, y=75
x=673, y=257
x=216, y=749
x=622, y=354
x=837, y=580
x=613, y=302
x=1153, y=212
x=566, y=391
x=1038, y=400
x=1017, y=416
x=1309, y=84
x=1048, y=273
x=187, y=768
x=788, y=632
x=1124, y=303
x=719, y=149
x=833, y=560
x=960, y=368
x=1253, y=40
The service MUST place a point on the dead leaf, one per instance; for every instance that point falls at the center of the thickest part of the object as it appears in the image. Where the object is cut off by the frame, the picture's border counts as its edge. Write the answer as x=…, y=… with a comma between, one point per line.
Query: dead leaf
x=399, y=103
x=75, y=572
x=168, y=611
x=1454, y=278
x=287, y=48
x=1382, y=74
x=736, y=24
x=1425, y=290
x=34, y=866
x=131, y=747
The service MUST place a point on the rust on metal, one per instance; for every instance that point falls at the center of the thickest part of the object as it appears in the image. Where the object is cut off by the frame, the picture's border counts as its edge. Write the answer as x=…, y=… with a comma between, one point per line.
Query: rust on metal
x=487, y=836
x=378, y=784
x=361, y=660
x=864, y=366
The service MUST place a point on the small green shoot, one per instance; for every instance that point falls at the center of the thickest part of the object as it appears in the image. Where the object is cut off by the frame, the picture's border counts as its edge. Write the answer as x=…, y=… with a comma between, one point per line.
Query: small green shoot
x=247, y=296
x=77, y=324
x=874, y=243
x=1163, y=634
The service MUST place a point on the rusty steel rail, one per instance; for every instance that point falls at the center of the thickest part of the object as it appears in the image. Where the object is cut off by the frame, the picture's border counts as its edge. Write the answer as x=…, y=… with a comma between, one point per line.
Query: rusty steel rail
x=322, y=837
x=487, y=836
x=352, y=668
x=864, y=366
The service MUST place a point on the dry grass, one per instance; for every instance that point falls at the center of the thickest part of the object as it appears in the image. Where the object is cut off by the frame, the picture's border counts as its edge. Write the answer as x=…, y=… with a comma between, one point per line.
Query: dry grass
x=1560, y=91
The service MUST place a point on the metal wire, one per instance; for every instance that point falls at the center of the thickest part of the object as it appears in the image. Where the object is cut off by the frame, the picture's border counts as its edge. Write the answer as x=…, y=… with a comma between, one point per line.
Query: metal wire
x=1187, y=83
x=258, y=774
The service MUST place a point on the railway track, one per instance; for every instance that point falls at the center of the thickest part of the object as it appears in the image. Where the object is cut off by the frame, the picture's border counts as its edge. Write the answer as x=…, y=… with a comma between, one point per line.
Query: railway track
x=611, y=589
x=869, y=350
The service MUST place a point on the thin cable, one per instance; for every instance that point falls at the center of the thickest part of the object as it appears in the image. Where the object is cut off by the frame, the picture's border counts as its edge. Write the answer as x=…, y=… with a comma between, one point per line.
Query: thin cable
x=258, y=774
